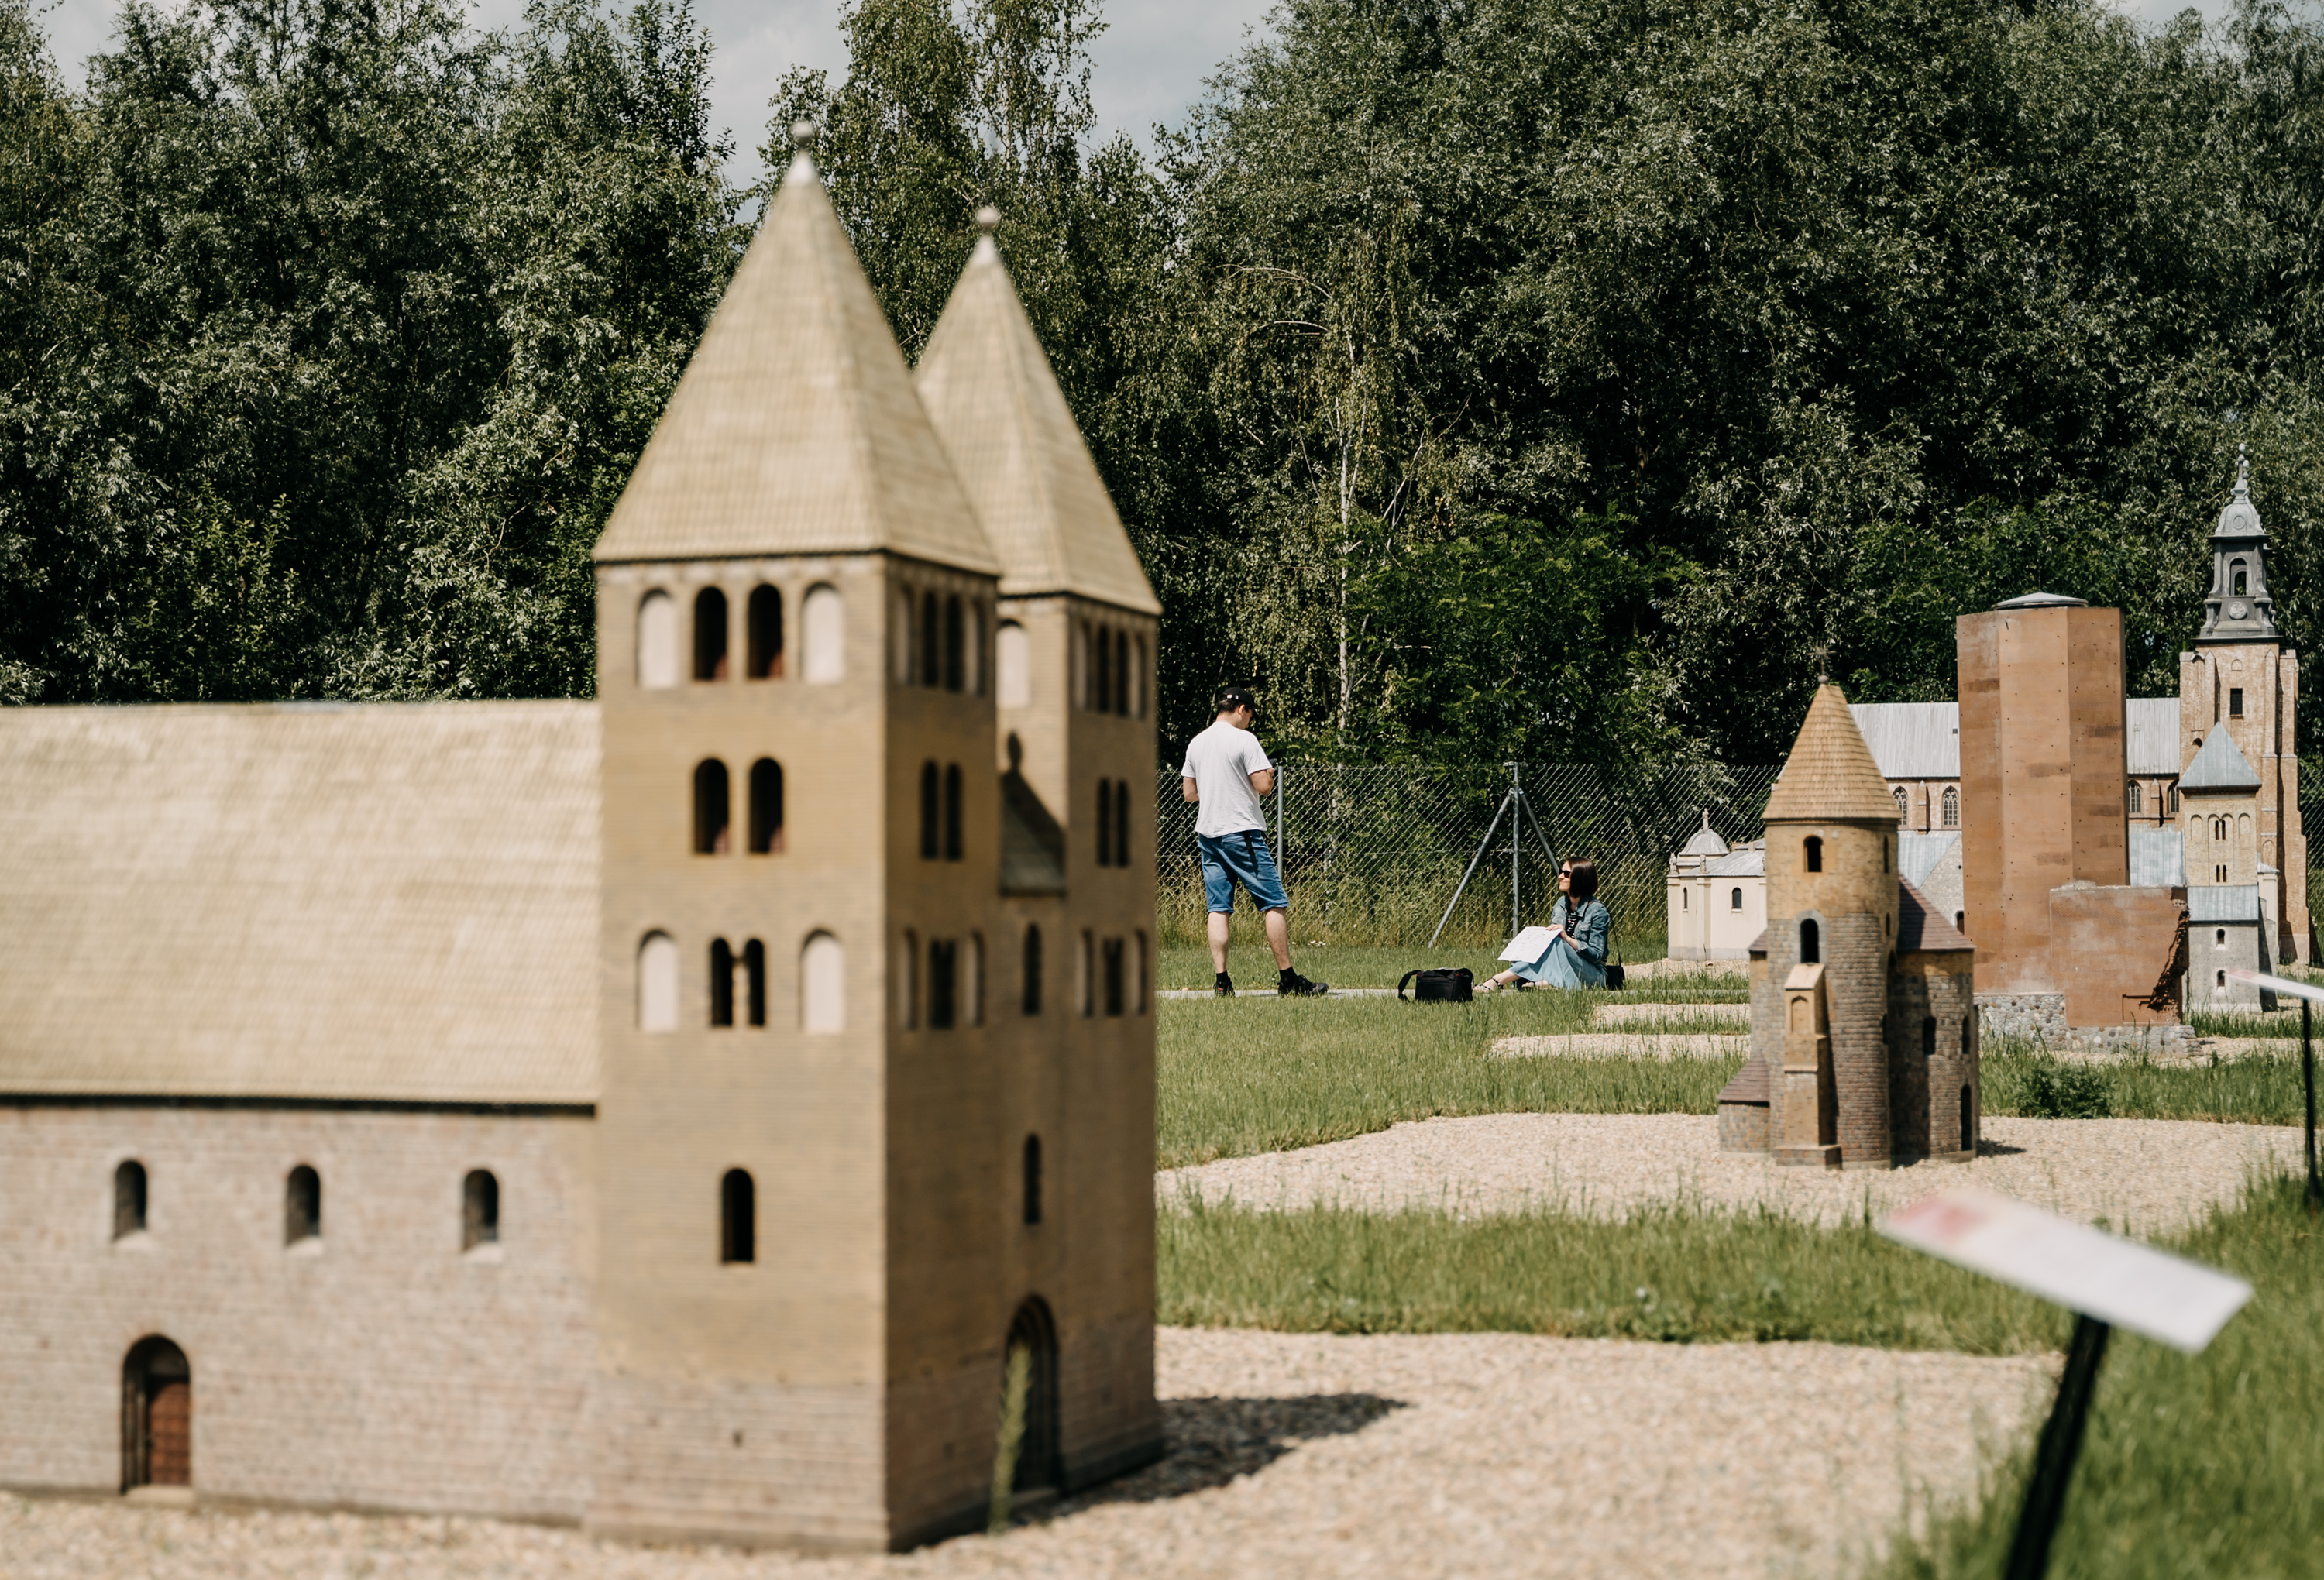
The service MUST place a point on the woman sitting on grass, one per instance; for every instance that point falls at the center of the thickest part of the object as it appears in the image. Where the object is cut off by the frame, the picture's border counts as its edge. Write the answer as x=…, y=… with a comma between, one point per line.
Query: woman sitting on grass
x=1576, y=955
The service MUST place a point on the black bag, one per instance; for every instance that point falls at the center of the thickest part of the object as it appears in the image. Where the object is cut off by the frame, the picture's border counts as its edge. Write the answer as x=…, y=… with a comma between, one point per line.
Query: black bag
x=1440, y=985
x=1614, y=972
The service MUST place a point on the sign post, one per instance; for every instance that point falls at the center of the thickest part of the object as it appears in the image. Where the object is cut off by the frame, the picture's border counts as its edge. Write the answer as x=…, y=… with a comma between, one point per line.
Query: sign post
x=2308, y=996
x=2105, y=1280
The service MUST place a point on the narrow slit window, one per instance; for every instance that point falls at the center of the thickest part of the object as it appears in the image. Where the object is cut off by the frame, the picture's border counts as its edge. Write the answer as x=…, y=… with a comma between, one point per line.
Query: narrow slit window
x=931, y=642
x=1968, y=1120
x=971, y=980
x=1928, y=1037
x=1032, y=1180
x=766, y=807
x=302, y=1205
x=956, y=647
x=738, y=1215
x=1029, y=992
x=943, y=984
x=1110, y=954
x=1138, y=675
x=908, y=981
x=1811, y=855
x=1121, y=673
x=1087, y=972
x=976, y=662
x=128, y=1199
x=1121, y=823
x=931, y=813
x=1810, y=944
x=713, y=808
x=657, y=983
x=755, y=982
x=763, y=616
x=2235, y=702
x=657, y=641
x=480, y=1209
x=1102, y=701
x=710, y=634
x=824, y=631
x=1105, y=822
x=721, y=983
x=953, y=842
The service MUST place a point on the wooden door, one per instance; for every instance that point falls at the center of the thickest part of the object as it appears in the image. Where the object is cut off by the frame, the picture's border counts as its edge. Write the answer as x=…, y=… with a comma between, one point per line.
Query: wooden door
x=170, y=1432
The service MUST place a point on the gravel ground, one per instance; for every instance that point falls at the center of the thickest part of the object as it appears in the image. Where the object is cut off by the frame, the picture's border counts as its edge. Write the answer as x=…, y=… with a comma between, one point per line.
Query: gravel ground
x=1296, y=1455
x=2148, y=1176
x=1623, y=1015
x=1622, y=1045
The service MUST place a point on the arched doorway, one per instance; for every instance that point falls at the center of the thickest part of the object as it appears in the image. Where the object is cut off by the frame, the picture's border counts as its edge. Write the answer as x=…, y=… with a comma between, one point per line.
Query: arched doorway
x=157, y=1416
x=1037, y=1451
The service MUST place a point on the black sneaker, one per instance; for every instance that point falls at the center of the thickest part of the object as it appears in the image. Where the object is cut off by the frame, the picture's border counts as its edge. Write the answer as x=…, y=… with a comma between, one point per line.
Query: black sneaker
x=1292, y=985
x=1223, y=987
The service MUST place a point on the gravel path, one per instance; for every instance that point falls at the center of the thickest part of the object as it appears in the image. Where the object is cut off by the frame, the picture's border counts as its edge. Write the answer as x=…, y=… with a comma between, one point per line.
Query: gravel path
x=1623, y=1046
x=1298, y=1455
x=2147, y=1175
x=1623, y=1015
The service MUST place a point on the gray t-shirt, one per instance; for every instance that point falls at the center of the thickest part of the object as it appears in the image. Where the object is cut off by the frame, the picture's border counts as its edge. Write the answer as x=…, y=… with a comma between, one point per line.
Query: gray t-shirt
x=1220, y=761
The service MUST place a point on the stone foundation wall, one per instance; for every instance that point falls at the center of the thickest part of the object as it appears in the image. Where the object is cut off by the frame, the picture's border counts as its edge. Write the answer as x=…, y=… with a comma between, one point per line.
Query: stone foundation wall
x=2038, y=1017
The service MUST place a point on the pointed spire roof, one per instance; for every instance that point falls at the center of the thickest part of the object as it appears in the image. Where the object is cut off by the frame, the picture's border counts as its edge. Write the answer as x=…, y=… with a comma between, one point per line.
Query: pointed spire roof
x=2240, y=519
x=2219, y=765
x=795, y=428
x=1013, y=438
x=1830, y=776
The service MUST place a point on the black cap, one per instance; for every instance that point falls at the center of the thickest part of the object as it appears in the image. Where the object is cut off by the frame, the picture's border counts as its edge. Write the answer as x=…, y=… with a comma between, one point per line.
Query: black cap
x=1233, y=697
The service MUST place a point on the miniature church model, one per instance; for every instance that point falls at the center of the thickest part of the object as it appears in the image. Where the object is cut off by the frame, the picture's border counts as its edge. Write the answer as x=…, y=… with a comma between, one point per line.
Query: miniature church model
x=1864, y=1049
x=663, y=1113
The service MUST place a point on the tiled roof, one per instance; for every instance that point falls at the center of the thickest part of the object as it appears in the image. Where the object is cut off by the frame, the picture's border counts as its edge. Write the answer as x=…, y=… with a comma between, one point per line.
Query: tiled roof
x=996, y=405
x=1749, y=1085
x=2219, y=765
x=795, y=428
x=355, y=901
x=2151, y=730
x=1829, y=775
x=1920, y=930
x=1911, y=740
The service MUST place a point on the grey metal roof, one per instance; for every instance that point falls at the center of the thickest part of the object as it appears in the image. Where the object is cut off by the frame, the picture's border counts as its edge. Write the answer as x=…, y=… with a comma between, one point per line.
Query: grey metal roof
x=2219, y=765
x=2151, y=734
x=2231, y=902
x=391, y=901
x=1704, y=840
x=1919, y=854
x=2043, y=601
x=1911, y=740
x=1750, y=862
x=2158, y=858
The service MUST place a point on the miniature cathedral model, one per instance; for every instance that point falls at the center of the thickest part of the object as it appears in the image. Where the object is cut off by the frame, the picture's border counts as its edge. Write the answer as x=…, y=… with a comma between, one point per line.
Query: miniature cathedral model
x=1863, y=1031
x=710, y=1084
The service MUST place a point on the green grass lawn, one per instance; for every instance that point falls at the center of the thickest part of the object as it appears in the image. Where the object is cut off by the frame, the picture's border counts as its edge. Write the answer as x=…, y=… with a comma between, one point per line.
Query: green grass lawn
x=2210, y=1464
x=2260, y=1088
x=1188, y=965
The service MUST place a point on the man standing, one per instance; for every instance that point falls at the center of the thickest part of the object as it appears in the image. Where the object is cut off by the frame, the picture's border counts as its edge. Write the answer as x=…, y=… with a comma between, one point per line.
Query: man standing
x=1226, y=773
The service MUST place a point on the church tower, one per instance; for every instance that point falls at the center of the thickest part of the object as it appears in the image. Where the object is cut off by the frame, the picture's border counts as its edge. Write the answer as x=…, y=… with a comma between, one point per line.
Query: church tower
x=1074, y=756
x=2242, y=684
x=808, y=1182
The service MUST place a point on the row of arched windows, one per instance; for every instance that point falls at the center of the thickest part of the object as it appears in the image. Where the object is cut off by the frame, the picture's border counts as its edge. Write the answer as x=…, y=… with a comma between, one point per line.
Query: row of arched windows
x=1949, y=806
x=302, y=1205
x=713, y=808
x=1111, y=675
x=940, y=812
x=955, y=978
x=939, y=641
x=1734, y=899
x=1112, y=822
x=658, y=646
x=822, y=983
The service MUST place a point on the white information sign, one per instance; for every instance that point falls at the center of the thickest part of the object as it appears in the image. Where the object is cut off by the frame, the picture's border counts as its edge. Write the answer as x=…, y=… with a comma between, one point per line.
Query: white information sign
x=2168, y=1298
x=2279, y=984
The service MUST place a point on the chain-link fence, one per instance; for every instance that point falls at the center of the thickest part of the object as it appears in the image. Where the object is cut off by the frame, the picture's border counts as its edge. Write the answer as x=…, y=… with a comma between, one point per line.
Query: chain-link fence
x=1374, y=855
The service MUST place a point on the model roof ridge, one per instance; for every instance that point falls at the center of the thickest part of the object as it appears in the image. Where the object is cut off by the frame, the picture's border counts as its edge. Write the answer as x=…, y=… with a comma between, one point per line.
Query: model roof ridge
x=2219, y=765
x=1830, y=776
x=796, y=428
x=1003, y=417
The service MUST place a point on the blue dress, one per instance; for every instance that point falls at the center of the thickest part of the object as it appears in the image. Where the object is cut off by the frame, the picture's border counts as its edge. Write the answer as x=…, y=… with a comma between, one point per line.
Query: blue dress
x=1579, y=964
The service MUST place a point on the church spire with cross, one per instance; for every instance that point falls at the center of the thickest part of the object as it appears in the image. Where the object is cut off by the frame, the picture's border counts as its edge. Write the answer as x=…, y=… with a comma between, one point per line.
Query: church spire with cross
x=2240, y=608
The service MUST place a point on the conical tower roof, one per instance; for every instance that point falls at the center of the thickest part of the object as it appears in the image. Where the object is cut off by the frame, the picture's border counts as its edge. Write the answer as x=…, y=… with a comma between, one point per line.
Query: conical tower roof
x=1830, y=776
x=1013, y=438
x=795, y=428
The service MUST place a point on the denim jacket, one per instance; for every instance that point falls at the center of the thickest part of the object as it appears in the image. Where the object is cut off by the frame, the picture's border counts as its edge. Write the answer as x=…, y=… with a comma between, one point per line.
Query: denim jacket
x=1591, y=928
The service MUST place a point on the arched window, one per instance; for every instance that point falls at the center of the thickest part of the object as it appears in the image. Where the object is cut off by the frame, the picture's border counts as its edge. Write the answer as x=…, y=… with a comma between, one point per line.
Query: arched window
x=1735, y=899
x=1105, y=822
x=822, y=985
x=931, y=641
x=480, y=1209
x=302, y=1205
x=157, y=1410
x=721, y=983
x=710, y=634
x=1029, y=999
x=931, y=814
x=2236, y=574
x=1034, y=1334
x=1111, y=953
x=657, y=983
x=1812, y=858
x=953, y=842
x=1902, y=803
x=755, y=982
x=943, y=984
x=2133, y=799
x=2173, y=801
x=738, y=1215
x=763, y=615
x=2220, y=939
x=1102, y=651
x=1682, y=904
x=2219, y=827
x=1121, y=822
x=766, y=807
x=1032, y=1171
x=128, y=1199
x=1013, y=657
x=908, y=981
x=712, y=808
x=823, y=630
x=1951, y=805
x=1928, y=1038
x=657, y=641
x=956, y=645
x=1810, y=944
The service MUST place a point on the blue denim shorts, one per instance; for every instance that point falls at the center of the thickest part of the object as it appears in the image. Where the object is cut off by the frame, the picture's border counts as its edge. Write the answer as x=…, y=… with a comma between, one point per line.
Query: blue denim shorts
x=1240, y=858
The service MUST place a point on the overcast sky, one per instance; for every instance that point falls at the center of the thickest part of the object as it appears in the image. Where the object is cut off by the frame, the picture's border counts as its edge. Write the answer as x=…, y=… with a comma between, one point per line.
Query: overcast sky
x=1149, y=66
